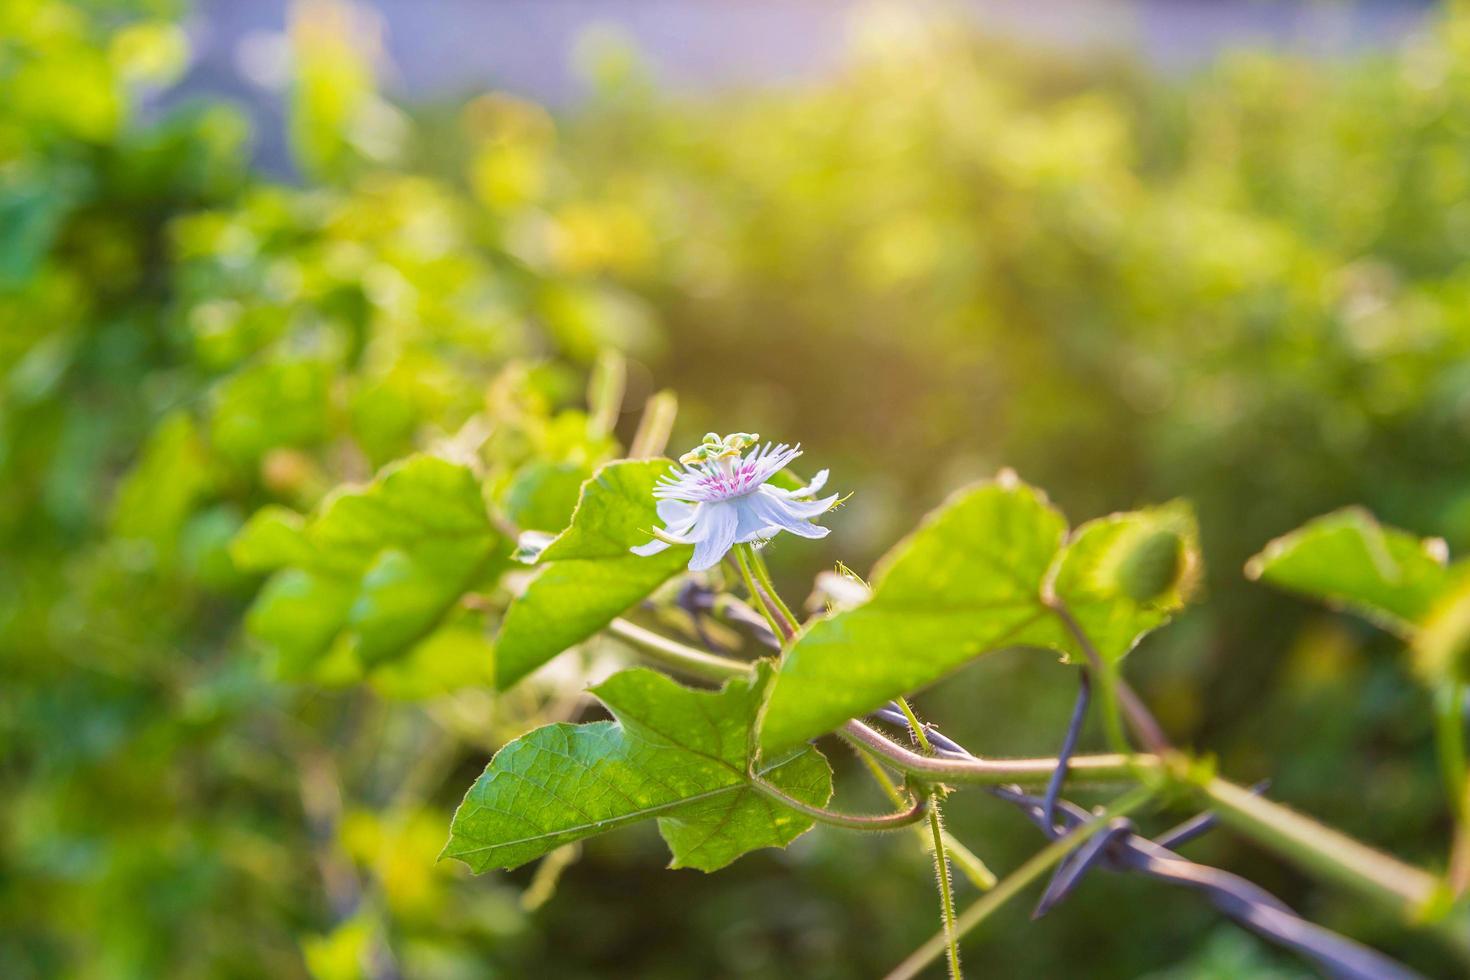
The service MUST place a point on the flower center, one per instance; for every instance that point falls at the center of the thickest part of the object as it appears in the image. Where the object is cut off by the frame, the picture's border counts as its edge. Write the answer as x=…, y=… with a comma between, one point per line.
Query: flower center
x=728, y=478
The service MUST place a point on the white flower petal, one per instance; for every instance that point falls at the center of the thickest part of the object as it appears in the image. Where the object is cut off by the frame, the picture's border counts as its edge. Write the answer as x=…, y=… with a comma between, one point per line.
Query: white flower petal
x=749, y=525
x=651, y=548
x=714, y=534
x=677, y=515
x=810, y=490
x=779, y=513
x=806, y=509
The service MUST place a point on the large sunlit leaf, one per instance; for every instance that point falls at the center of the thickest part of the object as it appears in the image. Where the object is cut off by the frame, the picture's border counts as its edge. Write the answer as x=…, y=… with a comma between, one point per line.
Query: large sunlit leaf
x=967, y=581
x=1350, y=561
x=980, y=574
x=589, y=576
x=376, y=572
x=673, y=754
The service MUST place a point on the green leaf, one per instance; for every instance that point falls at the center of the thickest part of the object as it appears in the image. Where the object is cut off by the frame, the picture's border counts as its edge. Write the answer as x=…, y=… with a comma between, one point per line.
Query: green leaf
x=375, y=572
x=589, y=576
x=297, y=616
x=456, y=655
x=543, y=496
x=614, y=512
x=271, y=404
x=273, y=538
x=968, y=581
x=157, y=497
x=673, y=754
x=1350, y=561
x=980, y=574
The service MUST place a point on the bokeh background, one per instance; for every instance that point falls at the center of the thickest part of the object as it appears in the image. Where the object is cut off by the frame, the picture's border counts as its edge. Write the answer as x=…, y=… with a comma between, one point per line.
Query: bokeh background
x=1136, y=251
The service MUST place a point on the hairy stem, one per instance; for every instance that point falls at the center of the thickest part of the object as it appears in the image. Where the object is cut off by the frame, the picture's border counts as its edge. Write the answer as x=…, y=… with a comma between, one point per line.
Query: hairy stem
x=1327, y=853
x=936, y=830
x=915, y=727
x=779, y=626
x=946, y=892
x=763, y=577
x=994, y=772
x=978, y=873
x=850, y=821
x=1014, y=883
x=1112, y=714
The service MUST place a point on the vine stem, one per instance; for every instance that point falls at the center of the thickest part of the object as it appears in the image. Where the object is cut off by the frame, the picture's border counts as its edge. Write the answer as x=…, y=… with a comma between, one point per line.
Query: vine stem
x=670, y=653
x=914, y=726
x=941, y=858
x=780, y=626
x=763, y=576
x=1449, y=732
x=1118, y=698
x=1014, y=883
x=1322, y=850
x=1458, y=876
x=1314, y=847
x=850, y=821
x=994, y=772
x=960, y=856
x=946, y=892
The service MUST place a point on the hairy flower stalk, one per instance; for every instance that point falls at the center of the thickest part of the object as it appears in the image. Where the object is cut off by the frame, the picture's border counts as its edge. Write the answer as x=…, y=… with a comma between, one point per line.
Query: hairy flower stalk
x=719, y=497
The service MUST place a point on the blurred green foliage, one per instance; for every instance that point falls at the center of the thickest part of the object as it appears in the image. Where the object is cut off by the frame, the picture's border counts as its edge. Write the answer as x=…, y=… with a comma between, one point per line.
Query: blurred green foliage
x=1248, y=288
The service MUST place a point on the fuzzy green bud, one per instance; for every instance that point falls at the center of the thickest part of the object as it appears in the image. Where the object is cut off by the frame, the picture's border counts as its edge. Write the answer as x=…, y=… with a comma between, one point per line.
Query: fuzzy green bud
x=1151, y=566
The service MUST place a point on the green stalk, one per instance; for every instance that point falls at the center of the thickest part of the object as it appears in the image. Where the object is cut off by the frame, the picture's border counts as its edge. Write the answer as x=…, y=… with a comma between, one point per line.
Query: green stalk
x=778, y=627
x=996, y=772
x=763, y=576
x=920, y=735
x=946, y=893
x=1318, y=849
x=676, y=656
x=1107, y=676
x=960, y=856
x=1013, y=884
x=941, y=860
x=1323, y=851
x=605, y=391
x=849, y=821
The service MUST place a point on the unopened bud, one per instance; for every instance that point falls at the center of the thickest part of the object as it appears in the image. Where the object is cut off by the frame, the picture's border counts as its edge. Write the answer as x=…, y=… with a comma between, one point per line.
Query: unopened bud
x=1151, y=566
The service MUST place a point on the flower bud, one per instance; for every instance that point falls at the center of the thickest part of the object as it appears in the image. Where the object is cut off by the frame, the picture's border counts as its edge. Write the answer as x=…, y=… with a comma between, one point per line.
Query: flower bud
x=1151, y=564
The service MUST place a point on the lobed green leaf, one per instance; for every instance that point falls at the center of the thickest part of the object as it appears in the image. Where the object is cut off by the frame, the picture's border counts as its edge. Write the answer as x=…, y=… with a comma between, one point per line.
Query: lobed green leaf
x=672, y=754
x=375, y=573
x=589, y=576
